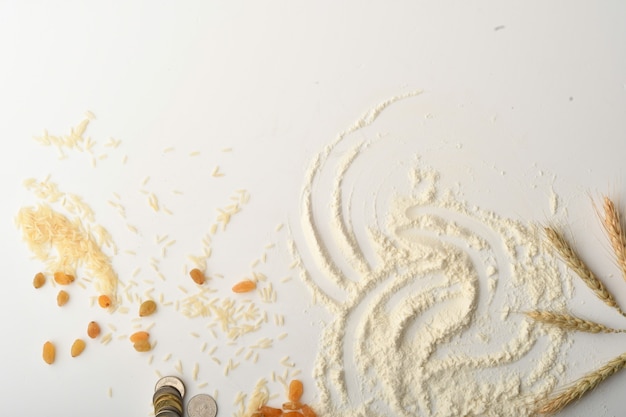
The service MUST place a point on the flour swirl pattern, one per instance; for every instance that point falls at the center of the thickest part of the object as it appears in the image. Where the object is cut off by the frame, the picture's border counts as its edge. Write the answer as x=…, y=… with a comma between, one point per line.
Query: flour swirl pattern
x=424, y=290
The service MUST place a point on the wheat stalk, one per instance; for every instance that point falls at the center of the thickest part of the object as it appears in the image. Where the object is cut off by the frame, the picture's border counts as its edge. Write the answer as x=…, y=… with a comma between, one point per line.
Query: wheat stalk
x=569, y=322
x=613, y=227
x=582, y=386
x=576, y=264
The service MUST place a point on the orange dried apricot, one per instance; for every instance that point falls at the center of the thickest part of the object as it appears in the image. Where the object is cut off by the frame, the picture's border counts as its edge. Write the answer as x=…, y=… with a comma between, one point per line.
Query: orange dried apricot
x=139, y=336
x=292, y=405
x=93, y=329
x=244, y=286
x=197, y=276
x=39, y=280
x=62, y=298
x=49, y=353
x=104, y=301
x=307, y=411
x=295, y=390
x=292, y=414
x=77, y=347
x=62, y=278
x=143, y=346
x=147, y=308
x=270, y=411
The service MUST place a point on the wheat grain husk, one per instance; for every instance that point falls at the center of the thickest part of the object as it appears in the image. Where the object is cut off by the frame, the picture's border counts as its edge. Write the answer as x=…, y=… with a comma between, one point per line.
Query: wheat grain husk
x=570, y=322
x=573, y=261
x=587, y=383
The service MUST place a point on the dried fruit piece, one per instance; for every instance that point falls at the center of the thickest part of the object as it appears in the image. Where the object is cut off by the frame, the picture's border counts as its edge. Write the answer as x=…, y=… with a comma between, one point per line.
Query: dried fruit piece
x=104, y=301
x=77, y=347
x=49, y=352
x=62, y=298
x=292, y=405
x=257, y=415
x=244, y=286
x=39, y=280
x=93, y=329
x=62, y=278
x=197, y=276
x=147, y=308
x=143, y=346
x=307, y=411
x=295, y=390
x=139, y=336
x=267, y=411
x=292, y=414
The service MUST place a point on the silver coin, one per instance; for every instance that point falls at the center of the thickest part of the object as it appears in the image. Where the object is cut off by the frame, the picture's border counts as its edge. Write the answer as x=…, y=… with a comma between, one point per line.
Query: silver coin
x=164, y=390
x=202, y=405
x=171, y=381
x=167, y=413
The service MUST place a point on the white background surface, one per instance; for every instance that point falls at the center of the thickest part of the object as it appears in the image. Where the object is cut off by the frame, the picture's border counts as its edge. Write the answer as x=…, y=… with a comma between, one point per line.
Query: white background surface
x=525, y=86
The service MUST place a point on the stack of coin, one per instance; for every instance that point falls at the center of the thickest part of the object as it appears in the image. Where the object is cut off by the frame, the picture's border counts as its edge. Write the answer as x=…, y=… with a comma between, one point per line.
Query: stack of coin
x=168, y=397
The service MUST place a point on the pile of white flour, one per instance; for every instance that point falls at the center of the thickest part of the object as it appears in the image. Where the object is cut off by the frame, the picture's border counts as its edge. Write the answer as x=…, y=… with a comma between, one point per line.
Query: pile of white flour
x=425, y=291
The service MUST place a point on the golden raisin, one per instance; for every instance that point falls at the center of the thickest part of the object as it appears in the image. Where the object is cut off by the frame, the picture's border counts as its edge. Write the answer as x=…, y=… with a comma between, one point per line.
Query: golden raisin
x=62, y=278
x=39, y=280
x=295, y=390
x=307, y=411
x=292, y=405
x=93, y=329
x=139, y=336
x=77, y=347
x=142, y=346
x=197, y=276
x=244, y=286
x=62, y=298
x=104, y=301
x=49, y=353
x=147, y=308
x=267, y=411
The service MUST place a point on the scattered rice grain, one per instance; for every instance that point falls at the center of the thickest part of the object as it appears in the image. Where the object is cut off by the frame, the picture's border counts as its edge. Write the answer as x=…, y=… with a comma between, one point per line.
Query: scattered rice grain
x=106, y=338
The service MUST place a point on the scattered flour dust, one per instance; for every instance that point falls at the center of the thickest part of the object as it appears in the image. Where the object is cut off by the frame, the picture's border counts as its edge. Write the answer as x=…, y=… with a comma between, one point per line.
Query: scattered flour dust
x=425, y=292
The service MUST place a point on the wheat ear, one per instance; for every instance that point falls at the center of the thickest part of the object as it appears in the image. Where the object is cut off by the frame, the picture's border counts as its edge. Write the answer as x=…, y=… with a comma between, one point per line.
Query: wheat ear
x=569, y=322
x=582, y=386
x=576, y=264
x=613, y=227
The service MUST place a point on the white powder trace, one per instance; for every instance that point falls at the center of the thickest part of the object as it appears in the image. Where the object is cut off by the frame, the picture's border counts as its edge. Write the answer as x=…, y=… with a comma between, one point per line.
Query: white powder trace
x=425, y=291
